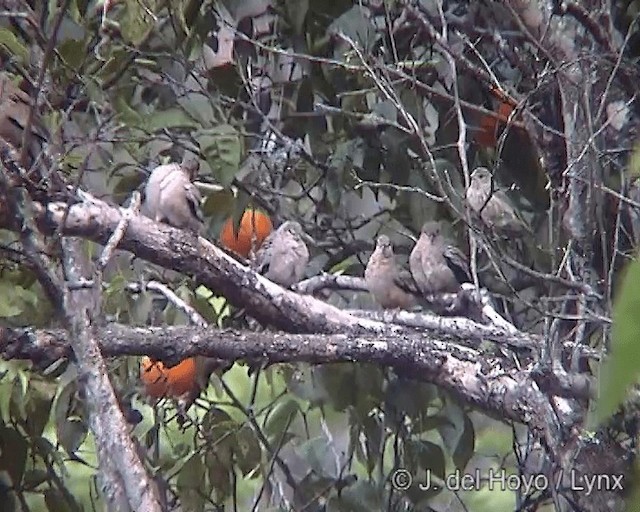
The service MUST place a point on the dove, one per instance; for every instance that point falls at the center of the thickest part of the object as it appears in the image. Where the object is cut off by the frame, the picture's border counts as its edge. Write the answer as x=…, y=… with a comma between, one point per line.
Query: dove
x=283, y=256
x=436, y=266
x=493, y=206
x=390, y=286
x=171, y=197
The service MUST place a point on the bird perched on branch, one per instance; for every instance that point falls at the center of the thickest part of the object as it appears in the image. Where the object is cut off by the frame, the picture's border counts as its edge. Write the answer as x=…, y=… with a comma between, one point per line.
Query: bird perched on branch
x=390, y=286
x=493, y=206
x=436, y=266
x=15, y=106
x=283, y=256
x=172, y=198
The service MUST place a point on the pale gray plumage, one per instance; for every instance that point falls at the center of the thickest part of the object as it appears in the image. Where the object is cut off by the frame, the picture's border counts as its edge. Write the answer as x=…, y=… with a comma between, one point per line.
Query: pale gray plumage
x=170, y=197
x=283, y=256
x=493, y=206
x=436, y=266
x=390, y=286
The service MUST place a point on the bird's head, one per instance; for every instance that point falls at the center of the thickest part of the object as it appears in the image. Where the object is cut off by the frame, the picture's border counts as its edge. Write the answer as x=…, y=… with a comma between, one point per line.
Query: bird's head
x=481, y=175
x=431, y=229
x=190, y=166
x=292, y=227
x=383, y=244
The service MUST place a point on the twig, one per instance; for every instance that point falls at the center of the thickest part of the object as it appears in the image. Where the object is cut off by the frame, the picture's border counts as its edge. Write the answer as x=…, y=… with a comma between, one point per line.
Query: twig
x=332, y=282
x=489, y=311
x=112, y=243
x=195, y=317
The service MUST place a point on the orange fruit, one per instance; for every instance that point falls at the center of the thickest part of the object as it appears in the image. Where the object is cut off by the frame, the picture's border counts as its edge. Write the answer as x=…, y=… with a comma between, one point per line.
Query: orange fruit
x=490, y=126
x=160, y=380
x=254, y=227
x=486, y=136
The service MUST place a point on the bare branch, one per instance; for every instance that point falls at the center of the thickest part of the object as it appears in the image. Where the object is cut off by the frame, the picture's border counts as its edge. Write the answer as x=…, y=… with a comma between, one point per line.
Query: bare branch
x=122, y=471
x=495, y=384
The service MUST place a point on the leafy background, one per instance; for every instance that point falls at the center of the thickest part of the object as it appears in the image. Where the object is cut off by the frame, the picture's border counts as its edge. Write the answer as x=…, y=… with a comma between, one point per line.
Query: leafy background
x=303, y=109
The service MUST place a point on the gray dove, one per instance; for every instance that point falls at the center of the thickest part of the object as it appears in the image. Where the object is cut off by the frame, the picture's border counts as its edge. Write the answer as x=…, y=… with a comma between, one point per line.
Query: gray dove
x=390, y=286
x=493, y=206
x=172, y=198
x=436, y=266
x=283, y=256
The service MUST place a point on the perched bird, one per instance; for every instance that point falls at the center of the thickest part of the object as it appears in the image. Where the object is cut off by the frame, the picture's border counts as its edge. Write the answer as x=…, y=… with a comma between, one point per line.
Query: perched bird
x=435, y=265
x=15, y=105
x=172, y=198
x=493, y=206
x=390, y=286
x=283, y=256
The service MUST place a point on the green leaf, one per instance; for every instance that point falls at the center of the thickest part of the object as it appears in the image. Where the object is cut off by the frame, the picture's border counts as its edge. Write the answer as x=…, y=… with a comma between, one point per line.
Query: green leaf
x=410, y=398
x=126, y=184
x=220, y=430
x=219, y=474
x=9, y=41
x=7, y=494
x=34, y=477
x=621, y=368
x=190, y=11
x=126, y=114
x=14, y=299
x=191, y=483
x=73, y=53
x=317, y=454
x=303, y=384
x=13, y=454
x=281, y=417
x=38, y=407
x=425, y=460
x=362, y=496
x=219, y=204
x=356, y=25
x=112, y=69
x=7, y=308
x=373, y=430
x=458, y=435
x=425, y=455
x=56, y=501
x=170, y=118
x=248, y=452
x=136, y=21
x=222, y=148
x=72, y=434
x=192, y=473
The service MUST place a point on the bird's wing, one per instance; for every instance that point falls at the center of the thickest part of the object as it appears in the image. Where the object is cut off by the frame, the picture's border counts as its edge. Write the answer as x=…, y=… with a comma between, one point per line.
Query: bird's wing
x=404, y=280
x=153, y=188
x=510, y=218
x=415, y=259
x=457, y=262
x=194, y=199
x=263, y=255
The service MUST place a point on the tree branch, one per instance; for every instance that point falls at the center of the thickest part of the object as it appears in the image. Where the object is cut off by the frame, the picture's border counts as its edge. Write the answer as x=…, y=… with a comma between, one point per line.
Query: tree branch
x=121, y=467
x=493, y=383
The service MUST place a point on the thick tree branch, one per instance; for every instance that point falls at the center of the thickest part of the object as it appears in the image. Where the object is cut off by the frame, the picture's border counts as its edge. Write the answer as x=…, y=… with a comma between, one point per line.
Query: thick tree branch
x=180, y=251
x=491, y=382
x=121, y=466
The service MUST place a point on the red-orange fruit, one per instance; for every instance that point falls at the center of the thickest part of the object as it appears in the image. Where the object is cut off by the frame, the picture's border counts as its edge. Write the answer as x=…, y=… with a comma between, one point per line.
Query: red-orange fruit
x=161, y=381
x=254, y=227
